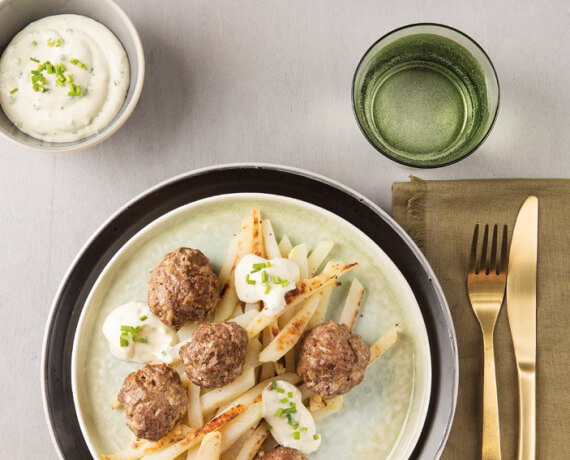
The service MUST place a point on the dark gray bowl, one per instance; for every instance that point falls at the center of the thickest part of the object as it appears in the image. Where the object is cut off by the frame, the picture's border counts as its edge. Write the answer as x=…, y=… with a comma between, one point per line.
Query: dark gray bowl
x=17, y=14
x=246, y=178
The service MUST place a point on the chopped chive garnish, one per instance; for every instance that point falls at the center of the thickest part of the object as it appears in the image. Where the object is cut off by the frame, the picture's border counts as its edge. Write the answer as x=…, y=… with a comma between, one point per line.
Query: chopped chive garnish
x=268, y=427
x=60, y=68
x=142, y=318
x=268, y=264
x=248, y=281
x=277, y=280
x=292, y=404
x=264, y=276
x=58, y=42
x=284, y=400
x=14, y=90
x=49, y=68
x=50, y=42
x=78, y=63
x=296, y=435
x=304, y=429
x=280, y=390
x=123, y=340
x=295, y=426
x=284, y=283
x=290, y=410
x=290, y=394
x=273, y=384
x=126, y=330
x=78, y=90
x=34, y=43
x=316, y=437
x=59, y=82
x=260, y=265
x=289, y=419
x=279, y=412
x=267, y=288
x=34, y=59
x=68, y=77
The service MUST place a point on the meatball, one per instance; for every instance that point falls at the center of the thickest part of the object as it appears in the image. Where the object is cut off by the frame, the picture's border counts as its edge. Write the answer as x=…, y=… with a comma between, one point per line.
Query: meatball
x=154, y=400
x=332, y=360
x=281, y=453
x=183, y=288
x=215, y=354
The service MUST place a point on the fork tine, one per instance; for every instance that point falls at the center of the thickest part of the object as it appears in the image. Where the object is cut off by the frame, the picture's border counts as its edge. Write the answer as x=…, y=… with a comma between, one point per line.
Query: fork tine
x=493, y=266
x=504, y=257
x=473, y=256
x=483, y=264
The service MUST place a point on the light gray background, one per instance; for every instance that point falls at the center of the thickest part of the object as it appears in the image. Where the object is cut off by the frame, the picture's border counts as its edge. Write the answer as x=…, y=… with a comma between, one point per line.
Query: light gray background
x=265, y=81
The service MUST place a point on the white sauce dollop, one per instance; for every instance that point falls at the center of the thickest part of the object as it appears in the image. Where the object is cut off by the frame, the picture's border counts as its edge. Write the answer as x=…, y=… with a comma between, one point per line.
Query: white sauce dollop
x=159, y=337
x=281, y=429
x=53, y=115
x=257, y=290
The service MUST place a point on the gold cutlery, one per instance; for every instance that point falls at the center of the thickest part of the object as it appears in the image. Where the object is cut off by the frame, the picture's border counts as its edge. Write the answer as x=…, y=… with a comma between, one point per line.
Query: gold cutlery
x=486, y=281
x=521, y=307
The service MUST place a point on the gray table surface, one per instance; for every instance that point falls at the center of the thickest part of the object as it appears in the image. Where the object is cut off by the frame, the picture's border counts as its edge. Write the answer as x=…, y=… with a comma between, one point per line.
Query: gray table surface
x=254, y=80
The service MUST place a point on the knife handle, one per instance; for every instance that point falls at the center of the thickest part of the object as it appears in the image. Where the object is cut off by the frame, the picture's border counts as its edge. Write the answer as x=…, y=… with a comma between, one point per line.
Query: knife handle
x=491, y=445
x=527, y=412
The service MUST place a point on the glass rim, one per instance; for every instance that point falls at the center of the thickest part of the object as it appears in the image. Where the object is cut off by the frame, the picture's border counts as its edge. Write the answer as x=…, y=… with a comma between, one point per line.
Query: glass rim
x=410, y=26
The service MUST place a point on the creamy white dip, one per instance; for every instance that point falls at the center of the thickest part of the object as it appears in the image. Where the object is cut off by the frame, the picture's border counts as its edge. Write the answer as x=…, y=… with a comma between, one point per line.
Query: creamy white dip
x=152, y=341
x=252, y=285
x=296, y=431
x=94, y=61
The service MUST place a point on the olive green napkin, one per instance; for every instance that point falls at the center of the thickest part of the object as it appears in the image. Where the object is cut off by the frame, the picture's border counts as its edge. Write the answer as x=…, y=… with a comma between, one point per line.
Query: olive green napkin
x=440, y=216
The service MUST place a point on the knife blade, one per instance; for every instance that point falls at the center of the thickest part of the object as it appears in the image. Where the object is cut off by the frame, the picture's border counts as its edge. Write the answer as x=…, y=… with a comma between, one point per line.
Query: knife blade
x=521, y=308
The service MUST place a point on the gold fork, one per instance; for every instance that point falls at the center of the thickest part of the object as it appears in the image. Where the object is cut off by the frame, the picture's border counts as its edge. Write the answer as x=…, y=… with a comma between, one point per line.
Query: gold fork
x=486, y=281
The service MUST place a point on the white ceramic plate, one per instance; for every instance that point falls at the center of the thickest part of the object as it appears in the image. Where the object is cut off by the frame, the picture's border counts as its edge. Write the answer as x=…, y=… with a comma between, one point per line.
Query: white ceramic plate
x=381, y=418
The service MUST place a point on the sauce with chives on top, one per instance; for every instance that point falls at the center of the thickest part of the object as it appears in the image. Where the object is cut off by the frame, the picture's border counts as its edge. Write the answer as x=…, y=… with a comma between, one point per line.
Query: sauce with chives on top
x=258, y=279
x=136, y=335
x=290, y=422
x=63, y=78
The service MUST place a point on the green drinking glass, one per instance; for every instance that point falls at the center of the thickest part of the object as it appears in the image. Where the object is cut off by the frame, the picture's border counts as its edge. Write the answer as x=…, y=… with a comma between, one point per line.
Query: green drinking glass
x=425, y=95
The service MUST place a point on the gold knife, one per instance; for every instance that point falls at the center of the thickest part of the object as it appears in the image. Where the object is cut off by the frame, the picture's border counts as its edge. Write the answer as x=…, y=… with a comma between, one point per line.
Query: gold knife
x=521, y=307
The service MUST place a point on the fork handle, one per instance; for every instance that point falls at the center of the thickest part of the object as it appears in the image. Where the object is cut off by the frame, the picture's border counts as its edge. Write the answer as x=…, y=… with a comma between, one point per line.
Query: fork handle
x=491, y=446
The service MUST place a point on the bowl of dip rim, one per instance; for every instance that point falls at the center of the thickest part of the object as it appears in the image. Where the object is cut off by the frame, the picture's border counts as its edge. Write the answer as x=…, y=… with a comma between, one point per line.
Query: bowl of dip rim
x=17, y=14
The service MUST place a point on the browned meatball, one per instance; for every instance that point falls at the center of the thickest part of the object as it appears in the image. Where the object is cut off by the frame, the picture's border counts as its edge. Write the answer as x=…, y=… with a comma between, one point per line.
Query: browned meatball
x=281, y=453
x=215, y=354
x=183, y=288
x=154, y=400
x=332, y=360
